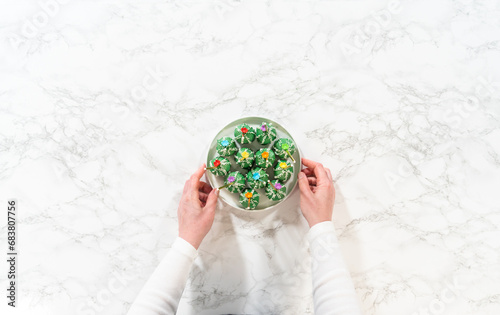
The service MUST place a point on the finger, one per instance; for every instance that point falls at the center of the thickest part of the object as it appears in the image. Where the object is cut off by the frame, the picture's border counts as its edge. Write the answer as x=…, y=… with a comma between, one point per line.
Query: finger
x=194, y=179
x=198, y=174
x=313, y=189
x=212, y=200
x=312, y=181
x=203, y=197
x=204, y=187
x=320, y=173
x=309, y=163
x=304, y=186
x=329, y=174
x=308, y=172
x=186, y=186
x=318, y=170
x=330, y=177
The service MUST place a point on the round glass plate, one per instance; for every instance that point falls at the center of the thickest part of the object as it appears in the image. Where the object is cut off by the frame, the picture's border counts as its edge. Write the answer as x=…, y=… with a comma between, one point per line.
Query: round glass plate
x=232, y=199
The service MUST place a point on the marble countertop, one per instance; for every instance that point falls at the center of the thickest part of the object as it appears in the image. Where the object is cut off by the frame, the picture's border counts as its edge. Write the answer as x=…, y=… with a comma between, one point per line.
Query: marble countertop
x=107, y=107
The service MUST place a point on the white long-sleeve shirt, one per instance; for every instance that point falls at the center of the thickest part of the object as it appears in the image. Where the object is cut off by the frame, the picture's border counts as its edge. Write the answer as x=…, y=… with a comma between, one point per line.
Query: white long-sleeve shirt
x=333, y=291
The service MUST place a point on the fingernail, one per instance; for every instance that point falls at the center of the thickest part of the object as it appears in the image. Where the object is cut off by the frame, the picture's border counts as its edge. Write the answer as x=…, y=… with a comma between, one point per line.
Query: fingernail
x=301, y=175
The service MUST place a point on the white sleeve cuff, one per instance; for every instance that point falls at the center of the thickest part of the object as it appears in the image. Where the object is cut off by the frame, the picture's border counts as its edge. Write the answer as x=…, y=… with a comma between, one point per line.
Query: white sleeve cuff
x=182, y=246
x=319, y=229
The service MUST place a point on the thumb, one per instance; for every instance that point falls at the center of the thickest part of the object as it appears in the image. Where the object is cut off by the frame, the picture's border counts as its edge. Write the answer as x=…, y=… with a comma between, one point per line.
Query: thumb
x=212, y=200
x=304, y=185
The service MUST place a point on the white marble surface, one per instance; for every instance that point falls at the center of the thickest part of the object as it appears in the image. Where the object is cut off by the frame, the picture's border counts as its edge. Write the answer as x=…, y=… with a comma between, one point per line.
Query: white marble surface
x=107, y=107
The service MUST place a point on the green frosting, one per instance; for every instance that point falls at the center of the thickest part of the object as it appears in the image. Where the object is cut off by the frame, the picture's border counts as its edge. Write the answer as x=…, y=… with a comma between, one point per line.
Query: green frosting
x=228, y=150
x=283, y=174
x=265, y=136
x=243, y=138
x=257, y=183
x=273, y=193
x=254, y=200
x=247, y=162
x=253, y=174
x=280, y=152
x=239, y=183
x=262, y=162
x=222, y=169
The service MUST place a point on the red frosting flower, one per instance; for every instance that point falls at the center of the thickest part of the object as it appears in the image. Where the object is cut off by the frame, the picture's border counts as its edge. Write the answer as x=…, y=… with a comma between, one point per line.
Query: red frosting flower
x=244, y=130
x=216, y=163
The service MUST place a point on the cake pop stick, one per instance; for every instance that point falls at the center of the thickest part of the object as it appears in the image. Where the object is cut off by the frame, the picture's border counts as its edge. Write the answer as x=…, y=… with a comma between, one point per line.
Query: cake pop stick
x=230, y=180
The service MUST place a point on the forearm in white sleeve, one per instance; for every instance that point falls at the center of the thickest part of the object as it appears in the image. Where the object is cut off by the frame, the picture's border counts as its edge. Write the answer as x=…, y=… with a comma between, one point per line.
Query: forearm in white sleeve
x=333, y=290
x=162, y=292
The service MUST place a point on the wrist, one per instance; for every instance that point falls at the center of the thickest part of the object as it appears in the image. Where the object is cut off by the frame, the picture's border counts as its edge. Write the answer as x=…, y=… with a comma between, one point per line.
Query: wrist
x=184, y=247
x=194, y=241
x=317, y=221
x=322, y=228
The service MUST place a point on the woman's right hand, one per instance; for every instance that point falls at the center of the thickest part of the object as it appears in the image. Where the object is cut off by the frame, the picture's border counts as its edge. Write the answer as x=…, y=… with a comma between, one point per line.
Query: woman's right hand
x=317, y=194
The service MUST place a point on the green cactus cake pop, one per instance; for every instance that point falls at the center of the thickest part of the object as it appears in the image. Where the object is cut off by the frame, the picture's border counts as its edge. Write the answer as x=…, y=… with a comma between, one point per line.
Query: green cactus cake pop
x=284, y=148
x=249, y=198
x=283, y=170
x=264, y=158
x=244, y=134
x=266, y=133
x=219, y=166
x=275, y=190
x=257, y=178
x=226, y=146
x=235, y=182
x=244, y=158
